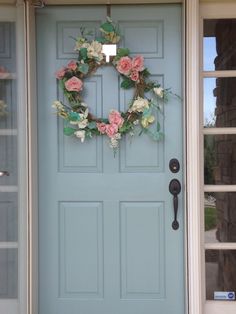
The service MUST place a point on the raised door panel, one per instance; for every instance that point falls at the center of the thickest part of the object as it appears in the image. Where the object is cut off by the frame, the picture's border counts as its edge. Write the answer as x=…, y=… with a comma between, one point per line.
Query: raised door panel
x=81, y=250
x=142, y=250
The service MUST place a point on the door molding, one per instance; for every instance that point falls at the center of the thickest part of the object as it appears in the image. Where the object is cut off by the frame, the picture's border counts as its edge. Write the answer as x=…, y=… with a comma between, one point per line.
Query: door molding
x=194, y=288
x=30, y=48
x=194, y=166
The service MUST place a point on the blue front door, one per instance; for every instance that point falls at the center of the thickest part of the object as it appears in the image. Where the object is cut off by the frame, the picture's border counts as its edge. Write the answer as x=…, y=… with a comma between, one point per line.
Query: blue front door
x=106, y=244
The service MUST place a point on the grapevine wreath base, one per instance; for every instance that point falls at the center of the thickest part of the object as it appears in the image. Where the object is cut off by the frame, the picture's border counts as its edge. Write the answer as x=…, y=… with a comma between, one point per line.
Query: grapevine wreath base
x=140, y=114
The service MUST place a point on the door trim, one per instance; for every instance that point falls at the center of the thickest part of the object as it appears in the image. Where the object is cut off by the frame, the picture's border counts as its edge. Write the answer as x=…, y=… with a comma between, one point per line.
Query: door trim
x=194, y=166
x=193, y=241
x=30, y=43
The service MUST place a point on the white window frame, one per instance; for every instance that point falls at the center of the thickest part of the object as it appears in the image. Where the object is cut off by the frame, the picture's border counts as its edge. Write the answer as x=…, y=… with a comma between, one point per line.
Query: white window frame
x=216, y=11
x=15, y=13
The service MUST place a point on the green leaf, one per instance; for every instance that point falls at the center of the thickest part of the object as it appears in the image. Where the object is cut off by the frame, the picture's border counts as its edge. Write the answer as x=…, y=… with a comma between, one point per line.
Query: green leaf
x=92, y=125
x=83, y=68
x=145, y=73
x=125, y=128
x=88, y=134
x=83, y=53
x=74, y=116
x=158, y=126
x=127, y=83
x=122, y=52
x=104, y=120
x=156, y=136
x=107, y=27
x=62, y=83
x=69, y=131
x=101, y=40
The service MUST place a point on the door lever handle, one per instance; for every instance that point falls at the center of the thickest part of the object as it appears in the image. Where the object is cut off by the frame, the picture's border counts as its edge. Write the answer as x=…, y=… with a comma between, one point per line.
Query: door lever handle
x=4, y=173
x=175, y=189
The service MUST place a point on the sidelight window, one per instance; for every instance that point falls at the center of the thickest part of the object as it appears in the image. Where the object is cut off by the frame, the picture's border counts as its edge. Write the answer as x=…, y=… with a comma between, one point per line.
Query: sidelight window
x=219, y=120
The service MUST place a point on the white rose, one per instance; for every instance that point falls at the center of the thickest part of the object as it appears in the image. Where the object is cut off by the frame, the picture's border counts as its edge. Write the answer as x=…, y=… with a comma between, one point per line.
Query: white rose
x=97, y=46
x=159, y=91
x=95, y=50
x=85, y=45
x=139, y=105
x=82, y=124
x=81, y=135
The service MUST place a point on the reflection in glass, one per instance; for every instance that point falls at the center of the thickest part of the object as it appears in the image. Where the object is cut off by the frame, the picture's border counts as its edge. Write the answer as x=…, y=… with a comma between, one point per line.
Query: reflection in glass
x=8, y=217
x=8, y=163
x=209, y=102
x=7, y=76
x=8, y=273
x=220, y=159
x=220, y=102
x=220, y=217
x=8, y=159
x=219, y=45
x=3, y=109
x=220, y=271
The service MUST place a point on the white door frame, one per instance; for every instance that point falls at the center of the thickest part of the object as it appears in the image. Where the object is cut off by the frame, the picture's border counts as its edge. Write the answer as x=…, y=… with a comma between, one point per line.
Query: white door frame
x=194, y=165
x=194, y=242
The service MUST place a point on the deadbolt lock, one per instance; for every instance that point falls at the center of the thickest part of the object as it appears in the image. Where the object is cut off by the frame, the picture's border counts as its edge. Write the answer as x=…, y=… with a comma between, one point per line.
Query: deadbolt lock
x=174, y=165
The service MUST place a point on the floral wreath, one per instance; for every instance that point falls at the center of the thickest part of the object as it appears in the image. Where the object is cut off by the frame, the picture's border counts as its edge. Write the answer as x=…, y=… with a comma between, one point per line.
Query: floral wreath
x=79, y=120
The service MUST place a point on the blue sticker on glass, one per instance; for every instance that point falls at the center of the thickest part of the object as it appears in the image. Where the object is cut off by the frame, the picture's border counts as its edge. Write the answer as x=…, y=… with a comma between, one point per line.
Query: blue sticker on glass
x=231, y=295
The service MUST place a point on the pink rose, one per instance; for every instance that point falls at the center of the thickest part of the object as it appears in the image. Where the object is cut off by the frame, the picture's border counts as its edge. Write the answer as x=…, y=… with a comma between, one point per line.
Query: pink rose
x=138, y=63
x=60, y=73
x=74, y=84
x=134, y=76
x=72, y=65
x=115, y=118
x=124, y=65
x=101, y=127
x=111, y=130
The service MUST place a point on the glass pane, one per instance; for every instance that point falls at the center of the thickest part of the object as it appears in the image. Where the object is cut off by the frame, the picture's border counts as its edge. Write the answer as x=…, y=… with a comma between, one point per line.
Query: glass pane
x=8, y=159
x=219, y=44
x=8, y=217
x=219, y=102
x=220, y=217
x=8, y=163
x=220, y=159
x=220, y=274
x=8, y=273
x=7, y=76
